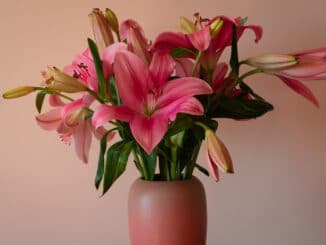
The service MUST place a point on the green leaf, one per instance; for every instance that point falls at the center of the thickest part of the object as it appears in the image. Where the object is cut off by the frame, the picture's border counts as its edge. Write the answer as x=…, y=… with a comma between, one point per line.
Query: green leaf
x=39, y=100
x=100, y=165
x=202, y=169
x=249, y=90
x=181, y=52
x=234, y=60
x=114, y=92
x=102, y=91
x=238, y=108
x=116, y=162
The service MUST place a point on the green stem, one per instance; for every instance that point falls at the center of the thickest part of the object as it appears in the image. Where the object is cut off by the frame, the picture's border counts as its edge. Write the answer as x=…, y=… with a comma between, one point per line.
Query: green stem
x=239, y=80
x=198, y=57
x=54, y=92
x=250, y=73
x=174, y=156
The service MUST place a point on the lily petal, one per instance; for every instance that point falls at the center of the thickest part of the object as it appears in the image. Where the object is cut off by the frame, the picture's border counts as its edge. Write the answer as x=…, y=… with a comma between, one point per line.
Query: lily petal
x=55, y=100
x=182, y=89
x=184, y=67
x=219, y=76
x=167, y=41
x=161, y=68
x=192, y=106
x=49, y=120
x=319, y=53
x=105, y=113
x=301, y=89
x=200, y=39
x=132, y=79
x=149, y=131
x=83, y=139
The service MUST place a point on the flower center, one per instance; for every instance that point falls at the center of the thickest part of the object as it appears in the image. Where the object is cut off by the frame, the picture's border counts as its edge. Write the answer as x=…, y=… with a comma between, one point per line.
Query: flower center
x=150, y=105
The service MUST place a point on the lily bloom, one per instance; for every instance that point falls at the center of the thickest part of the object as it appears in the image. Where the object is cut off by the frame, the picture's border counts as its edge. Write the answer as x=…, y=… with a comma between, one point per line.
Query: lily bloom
x=149, y=100
x=217, y=155
x=72, y=121
x=83, y=69
x=309, y=65
x=214, y=36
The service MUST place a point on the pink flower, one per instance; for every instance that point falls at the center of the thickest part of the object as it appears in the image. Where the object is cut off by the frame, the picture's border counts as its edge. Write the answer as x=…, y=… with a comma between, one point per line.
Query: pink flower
x=149, y=100
x=212, y=39
x=308, y=65
x=72, y=120
x=82, y=67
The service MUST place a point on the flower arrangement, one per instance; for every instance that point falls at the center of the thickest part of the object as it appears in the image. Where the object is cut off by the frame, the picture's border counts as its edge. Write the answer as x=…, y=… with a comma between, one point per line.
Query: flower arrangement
x=162, y=99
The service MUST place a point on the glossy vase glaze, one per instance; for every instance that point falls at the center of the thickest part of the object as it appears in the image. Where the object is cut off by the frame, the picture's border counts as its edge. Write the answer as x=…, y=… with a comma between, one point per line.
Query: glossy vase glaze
x=167, y=213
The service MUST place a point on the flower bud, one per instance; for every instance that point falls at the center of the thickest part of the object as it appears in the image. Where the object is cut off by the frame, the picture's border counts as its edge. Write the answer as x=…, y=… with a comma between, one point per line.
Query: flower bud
x=112, y=19
x=58, y=80
x=272, y=62
x=131, y=31
x=218, y=155
x=186, y=26
x=101, y=29
x=18, y=92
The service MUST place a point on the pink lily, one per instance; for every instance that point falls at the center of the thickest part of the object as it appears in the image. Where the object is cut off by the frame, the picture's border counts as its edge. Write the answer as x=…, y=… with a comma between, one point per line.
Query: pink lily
x=149, y=100
x=83, y=67
x=72, y=120
x=211, y=42
x=309, y=65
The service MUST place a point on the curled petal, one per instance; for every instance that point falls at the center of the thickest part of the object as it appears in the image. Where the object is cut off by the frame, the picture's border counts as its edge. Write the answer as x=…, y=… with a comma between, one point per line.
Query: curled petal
x=258, y=30
x=50, y=120
x=301, y=89
x=149, y=131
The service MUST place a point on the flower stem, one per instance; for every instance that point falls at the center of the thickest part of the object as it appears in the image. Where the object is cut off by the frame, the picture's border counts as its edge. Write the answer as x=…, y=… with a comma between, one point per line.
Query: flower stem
x=198, y=57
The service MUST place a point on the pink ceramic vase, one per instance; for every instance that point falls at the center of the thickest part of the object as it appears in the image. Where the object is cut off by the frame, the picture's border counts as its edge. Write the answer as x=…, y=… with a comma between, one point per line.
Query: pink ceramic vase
x=167, y=213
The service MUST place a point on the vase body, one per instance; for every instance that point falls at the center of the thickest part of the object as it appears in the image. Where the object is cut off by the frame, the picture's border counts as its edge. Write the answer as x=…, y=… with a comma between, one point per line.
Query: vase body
x=167, y=213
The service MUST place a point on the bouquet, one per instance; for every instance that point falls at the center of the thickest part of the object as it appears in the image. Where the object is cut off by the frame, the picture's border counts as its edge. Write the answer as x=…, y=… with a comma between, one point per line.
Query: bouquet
x=161, y=99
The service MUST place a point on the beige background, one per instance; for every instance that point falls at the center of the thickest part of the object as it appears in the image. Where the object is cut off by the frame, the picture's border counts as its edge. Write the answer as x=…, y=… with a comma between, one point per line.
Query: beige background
x=277, y=195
